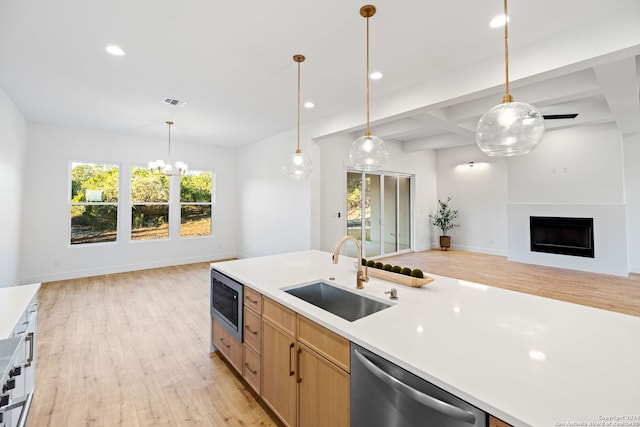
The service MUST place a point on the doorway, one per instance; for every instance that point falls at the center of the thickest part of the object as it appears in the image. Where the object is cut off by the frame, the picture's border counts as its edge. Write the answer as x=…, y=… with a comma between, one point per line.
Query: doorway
x=379, y=212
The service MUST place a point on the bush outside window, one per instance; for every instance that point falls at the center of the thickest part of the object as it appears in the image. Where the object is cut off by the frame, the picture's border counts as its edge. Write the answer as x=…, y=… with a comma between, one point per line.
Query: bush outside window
x=196, y=204
x=149, y=205
x=93, y=203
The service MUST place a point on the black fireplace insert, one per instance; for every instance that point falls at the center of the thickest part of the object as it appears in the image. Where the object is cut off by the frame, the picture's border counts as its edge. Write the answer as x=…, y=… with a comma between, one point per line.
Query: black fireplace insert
x=561, y=235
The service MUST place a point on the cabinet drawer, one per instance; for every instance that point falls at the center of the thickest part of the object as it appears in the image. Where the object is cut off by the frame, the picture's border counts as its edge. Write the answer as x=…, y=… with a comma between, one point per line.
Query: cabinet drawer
x=251, y=368
x=253, y=300
x=230, y=347
x=279, y=315
x=327, y=343
x=252, y=328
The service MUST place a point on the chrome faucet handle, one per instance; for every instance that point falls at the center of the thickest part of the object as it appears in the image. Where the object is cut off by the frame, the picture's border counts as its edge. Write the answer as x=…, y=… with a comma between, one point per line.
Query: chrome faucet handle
x=393, y=292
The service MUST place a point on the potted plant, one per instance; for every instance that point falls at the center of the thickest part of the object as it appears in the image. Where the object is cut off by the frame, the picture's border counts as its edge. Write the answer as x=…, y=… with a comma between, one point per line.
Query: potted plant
x=444, y=220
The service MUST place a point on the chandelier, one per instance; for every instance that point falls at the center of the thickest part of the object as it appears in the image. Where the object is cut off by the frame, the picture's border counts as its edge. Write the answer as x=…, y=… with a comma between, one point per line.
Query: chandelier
x=298, y=166
x=160, y=166
x=368, y=152
x=510, y=128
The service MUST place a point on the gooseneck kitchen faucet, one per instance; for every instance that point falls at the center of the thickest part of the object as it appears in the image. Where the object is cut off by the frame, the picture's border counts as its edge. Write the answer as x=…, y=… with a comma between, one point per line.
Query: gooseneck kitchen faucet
x=361, y=275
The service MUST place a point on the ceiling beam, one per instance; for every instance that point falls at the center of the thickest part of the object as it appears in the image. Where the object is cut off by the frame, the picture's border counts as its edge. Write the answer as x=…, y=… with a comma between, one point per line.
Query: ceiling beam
x=619, y=81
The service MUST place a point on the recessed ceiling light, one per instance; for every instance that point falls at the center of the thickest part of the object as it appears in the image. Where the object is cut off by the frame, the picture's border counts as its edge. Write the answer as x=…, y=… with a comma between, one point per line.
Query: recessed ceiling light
x=537, y=355
x=376, y=75
x=499, y=21
x=309, y=104
x=115, y=50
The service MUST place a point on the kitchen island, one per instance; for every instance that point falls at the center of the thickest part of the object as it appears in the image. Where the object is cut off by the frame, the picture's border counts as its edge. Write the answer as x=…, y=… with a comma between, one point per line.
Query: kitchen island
x=525, y=359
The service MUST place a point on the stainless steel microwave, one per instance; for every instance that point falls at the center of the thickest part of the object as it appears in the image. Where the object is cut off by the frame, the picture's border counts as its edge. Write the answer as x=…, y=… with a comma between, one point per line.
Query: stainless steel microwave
x=226, y=303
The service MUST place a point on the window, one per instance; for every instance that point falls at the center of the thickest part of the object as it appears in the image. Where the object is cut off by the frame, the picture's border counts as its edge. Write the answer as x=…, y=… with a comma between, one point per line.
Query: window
x=94, y=203
x=379, y=212
x=149, y=205
x=195, y=204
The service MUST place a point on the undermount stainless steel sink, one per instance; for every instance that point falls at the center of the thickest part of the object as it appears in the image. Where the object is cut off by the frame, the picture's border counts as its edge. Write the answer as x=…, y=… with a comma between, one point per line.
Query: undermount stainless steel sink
x=348, y=305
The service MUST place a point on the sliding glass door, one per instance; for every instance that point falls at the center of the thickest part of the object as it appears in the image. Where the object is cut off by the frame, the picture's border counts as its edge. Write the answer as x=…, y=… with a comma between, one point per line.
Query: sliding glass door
x=379, y=212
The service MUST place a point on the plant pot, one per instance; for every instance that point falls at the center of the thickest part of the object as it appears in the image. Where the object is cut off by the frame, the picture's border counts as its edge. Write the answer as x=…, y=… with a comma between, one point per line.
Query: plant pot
x=445, y=243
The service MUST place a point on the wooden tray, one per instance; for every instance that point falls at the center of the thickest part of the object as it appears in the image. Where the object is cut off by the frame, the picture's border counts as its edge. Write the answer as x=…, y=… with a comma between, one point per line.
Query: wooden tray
x=401, y=279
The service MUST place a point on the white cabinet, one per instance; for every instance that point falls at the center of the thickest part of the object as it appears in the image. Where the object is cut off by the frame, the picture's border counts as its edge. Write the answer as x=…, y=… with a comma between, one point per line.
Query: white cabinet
x=28, y=329
x=19, y=386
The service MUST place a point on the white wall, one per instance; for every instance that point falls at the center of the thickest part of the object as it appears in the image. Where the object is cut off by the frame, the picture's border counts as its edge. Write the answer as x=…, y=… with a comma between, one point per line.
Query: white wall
x=335, y=160
x=632, y=196
x=274, y=213
x=581, y=165
x=479, y=193
x=46, y=254
x=574, y=172
x=13, y=145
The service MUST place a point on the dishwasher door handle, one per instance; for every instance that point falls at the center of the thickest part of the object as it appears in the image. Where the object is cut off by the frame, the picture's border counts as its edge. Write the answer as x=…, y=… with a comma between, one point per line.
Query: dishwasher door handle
x=420, y=397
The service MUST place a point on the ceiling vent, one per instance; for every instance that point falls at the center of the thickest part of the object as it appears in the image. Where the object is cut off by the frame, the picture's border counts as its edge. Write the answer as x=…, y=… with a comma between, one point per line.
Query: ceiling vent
x=174, y=102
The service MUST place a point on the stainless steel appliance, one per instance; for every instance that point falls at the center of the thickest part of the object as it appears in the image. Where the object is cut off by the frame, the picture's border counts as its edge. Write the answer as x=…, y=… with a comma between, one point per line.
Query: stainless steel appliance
x=385, y=395
x=226, y=303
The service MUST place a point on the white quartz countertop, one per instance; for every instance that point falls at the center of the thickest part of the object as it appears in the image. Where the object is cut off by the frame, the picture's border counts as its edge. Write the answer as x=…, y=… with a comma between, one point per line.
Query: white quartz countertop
x=528, y=360
x=13, y=302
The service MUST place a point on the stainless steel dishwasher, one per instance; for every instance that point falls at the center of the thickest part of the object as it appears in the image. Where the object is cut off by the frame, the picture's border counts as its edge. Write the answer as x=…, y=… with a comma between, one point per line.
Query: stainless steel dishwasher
x=385, y=395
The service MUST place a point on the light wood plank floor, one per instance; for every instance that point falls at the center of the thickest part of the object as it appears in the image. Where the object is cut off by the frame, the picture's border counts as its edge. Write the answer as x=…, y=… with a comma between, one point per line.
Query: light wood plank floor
x=614, y=293
x=132, y=349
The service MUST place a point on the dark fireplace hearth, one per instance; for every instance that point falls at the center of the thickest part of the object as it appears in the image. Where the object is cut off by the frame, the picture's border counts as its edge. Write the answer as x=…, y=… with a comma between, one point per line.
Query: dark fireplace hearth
x=559, y=235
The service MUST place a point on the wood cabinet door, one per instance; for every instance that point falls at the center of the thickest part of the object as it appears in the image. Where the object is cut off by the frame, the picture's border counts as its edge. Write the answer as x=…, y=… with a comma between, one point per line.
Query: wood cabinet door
x=278, y=372
x=230, y=347
x=323, y=391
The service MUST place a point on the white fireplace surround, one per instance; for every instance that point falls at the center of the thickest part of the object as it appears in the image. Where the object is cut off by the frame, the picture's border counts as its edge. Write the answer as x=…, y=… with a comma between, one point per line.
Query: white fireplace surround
x=609, y=235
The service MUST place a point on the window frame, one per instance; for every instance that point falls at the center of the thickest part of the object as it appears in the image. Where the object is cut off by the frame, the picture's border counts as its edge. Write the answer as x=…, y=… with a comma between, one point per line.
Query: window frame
x=70, y=203
x=211, y=205
x=133, y=203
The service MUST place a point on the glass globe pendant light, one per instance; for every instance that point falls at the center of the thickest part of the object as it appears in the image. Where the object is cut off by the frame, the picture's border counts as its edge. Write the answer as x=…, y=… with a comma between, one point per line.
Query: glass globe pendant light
x=160, y=166
x=511, y=128
x=368, y=153
x=298, y=166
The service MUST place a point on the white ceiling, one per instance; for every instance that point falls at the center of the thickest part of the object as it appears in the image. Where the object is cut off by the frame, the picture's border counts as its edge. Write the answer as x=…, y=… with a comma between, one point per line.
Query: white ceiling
x=232, y=62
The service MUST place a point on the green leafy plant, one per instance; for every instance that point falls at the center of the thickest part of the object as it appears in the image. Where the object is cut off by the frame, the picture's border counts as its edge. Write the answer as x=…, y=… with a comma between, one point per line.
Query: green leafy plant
x=445, y=218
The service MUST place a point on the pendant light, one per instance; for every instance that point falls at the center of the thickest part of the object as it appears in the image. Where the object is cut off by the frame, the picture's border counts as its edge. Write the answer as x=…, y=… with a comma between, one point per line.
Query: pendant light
x=511, y=128
x=368, y=153
x=166, y=168
x=298, y=166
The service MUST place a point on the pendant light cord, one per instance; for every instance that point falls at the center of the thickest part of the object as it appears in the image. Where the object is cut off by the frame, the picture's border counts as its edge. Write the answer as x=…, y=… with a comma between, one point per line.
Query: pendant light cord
x=169, y=123
x=368, y=133
x=298, y=150
x=298, y=58
x=507, y=95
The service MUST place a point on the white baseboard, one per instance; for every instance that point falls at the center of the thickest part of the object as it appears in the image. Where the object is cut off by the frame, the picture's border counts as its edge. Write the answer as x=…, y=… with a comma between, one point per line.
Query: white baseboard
x=497, y=252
